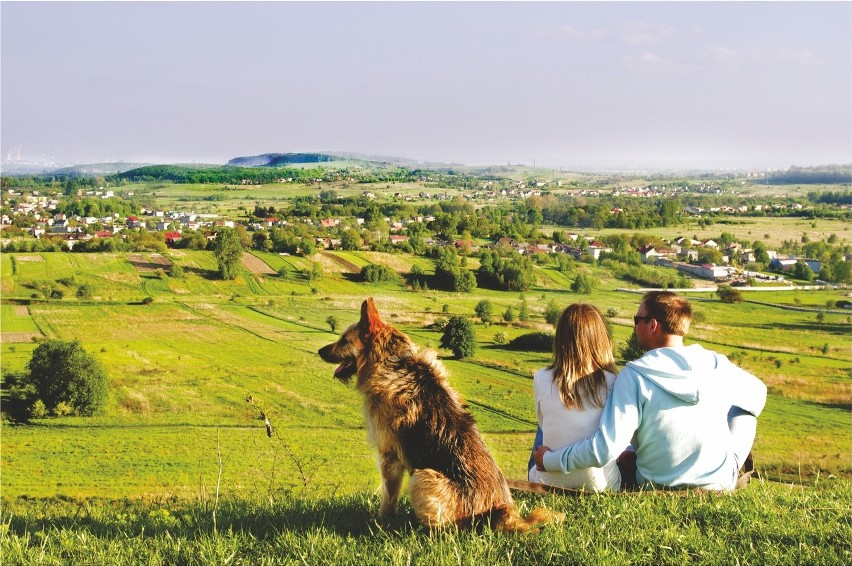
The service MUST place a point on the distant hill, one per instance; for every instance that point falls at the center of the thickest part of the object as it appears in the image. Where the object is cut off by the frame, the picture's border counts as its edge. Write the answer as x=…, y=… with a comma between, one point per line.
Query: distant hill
x=279, y=159
x=80, y=170
x=813, y=175
x=283, y=159
x=90, y=169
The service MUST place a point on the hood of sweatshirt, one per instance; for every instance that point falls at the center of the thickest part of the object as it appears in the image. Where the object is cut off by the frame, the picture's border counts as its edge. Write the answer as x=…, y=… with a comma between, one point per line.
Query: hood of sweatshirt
x=678, y=371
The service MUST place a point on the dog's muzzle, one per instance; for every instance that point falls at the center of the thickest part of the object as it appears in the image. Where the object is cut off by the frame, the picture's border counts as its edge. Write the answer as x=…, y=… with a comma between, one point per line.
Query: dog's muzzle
x=345, y=370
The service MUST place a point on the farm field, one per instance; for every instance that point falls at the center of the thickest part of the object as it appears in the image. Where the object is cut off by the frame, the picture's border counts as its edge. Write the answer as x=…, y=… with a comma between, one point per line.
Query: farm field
x=771, y=231
x=182, y=367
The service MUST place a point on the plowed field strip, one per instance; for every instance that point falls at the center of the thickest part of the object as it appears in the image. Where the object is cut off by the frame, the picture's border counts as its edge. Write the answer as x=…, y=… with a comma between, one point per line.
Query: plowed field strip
x=344, y=263
x=18, y=337
x=256, y=265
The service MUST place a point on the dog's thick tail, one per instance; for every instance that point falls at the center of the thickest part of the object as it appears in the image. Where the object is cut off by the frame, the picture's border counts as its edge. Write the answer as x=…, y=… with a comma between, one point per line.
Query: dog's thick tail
x=506, y=518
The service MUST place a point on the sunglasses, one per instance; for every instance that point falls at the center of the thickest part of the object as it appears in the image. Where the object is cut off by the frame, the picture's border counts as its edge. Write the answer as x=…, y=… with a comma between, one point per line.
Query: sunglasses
x=636, y=319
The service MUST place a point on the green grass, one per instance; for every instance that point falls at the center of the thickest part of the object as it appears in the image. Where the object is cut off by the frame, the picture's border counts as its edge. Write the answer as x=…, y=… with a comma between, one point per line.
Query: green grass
x=763, y=524
x=181, y=368
x=10, y=321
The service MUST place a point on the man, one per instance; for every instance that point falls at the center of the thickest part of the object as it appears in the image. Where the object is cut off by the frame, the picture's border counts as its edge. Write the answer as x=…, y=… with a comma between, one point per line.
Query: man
x=690, y=413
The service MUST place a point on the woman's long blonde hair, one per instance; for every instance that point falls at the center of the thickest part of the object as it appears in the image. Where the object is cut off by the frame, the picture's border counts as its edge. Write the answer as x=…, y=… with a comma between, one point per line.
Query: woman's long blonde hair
x=582, y=351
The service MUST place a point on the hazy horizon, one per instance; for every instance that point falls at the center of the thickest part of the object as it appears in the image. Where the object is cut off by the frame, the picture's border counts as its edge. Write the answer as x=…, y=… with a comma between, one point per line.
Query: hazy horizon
x=693, y=85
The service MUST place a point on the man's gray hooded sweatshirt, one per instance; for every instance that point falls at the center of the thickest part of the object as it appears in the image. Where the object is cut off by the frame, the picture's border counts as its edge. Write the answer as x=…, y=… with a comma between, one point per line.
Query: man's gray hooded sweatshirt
x=672, y=404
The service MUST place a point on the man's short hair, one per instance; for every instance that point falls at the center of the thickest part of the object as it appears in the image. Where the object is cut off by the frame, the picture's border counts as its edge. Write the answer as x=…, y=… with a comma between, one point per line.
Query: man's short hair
x=671, y=310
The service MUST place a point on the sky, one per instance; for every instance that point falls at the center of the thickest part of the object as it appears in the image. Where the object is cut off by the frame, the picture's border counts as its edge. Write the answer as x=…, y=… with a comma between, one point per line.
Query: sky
x=712, y=85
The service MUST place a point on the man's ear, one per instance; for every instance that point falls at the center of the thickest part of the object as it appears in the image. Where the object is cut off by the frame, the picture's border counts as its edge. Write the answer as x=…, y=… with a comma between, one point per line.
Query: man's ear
x=654, y=325
x=370, y=322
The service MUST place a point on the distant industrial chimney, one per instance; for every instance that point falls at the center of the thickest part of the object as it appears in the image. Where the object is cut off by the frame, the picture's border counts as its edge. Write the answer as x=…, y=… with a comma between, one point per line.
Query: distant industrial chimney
x=14, y=153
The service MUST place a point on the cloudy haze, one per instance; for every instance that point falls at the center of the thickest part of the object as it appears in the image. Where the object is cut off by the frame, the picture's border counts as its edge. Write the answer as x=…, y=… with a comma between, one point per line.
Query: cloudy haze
x=574, y=84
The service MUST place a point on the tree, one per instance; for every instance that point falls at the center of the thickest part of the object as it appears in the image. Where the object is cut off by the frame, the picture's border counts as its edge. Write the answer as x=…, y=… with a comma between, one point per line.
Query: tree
x=709, y=255
x=842, y=271
x=583, y=284
x=484, y=311
x=307, y=247
x=332, y=322
x=350, y=240
x=63, y=372
x=314, y=273
x=450, y=273
x=803, y=271
x=524, y=311
x=552, y=312
x=631, y=349
x=728, y=294
x=228, y=249
x=459, y=337
x=826, y=273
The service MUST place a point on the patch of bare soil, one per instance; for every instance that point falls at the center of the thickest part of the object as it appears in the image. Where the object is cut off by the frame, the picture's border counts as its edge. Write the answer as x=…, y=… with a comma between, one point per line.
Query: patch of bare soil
x=29, y=258
x=256, y=265
x=144, y=265
x=18, y=337
x=22, y=310
x=161, y=260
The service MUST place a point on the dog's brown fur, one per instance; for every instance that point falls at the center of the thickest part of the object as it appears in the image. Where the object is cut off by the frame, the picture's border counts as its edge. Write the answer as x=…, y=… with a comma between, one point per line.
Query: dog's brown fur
x=419, y=424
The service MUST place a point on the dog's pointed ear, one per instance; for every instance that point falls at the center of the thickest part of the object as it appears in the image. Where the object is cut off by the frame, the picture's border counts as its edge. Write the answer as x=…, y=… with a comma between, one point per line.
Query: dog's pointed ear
x=370, y=322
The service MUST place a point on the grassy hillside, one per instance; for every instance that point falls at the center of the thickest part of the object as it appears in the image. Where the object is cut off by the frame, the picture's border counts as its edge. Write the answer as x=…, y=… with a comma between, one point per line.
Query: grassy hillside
x=182, y=367
x=179, y=468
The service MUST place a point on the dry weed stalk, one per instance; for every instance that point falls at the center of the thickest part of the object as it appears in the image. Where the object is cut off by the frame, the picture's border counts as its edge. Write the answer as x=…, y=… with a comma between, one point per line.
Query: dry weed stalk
x=302, y=468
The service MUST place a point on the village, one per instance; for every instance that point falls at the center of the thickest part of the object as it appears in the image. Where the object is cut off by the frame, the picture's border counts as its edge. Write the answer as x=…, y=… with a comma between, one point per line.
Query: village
x=34, y=214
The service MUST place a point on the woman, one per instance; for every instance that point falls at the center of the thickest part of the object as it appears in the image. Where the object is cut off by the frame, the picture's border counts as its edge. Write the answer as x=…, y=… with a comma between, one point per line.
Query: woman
x=570, y=394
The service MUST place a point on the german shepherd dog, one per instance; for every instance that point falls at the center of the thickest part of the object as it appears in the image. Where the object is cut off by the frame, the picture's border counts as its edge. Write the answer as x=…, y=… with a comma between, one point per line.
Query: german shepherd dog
x=419, y=424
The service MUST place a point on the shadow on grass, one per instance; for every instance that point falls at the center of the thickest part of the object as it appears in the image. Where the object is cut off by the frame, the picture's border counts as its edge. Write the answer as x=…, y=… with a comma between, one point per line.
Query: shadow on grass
x=834, y=405
x=838, y=329
x=354, y=516
x=209, y=274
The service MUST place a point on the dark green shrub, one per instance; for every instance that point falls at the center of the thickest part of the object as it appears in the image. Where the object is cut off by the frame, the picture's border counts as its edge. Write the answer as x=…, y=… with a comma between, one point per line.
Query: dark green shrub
x=376, y=272
x=532, y=342
x=728, y=294
x=84, y=291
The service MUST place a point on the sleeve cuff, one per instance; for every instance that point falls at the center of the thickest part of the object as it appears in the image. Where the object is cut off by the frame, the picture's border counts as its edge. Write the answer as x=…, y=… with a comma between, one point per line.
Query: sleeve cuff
x=552, y=461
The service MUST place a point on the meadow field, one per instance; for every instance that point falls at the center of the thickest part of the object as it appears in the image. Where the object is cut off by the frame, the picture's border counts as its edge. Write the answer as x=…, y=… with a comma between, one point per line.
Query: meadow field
x=192, y=372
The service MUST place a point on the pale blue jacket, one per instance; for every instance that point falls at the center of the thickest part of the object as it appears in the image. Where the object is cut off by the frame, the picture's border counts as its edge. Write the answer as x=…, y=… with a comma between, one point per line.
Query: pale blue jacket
x=672, y=404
